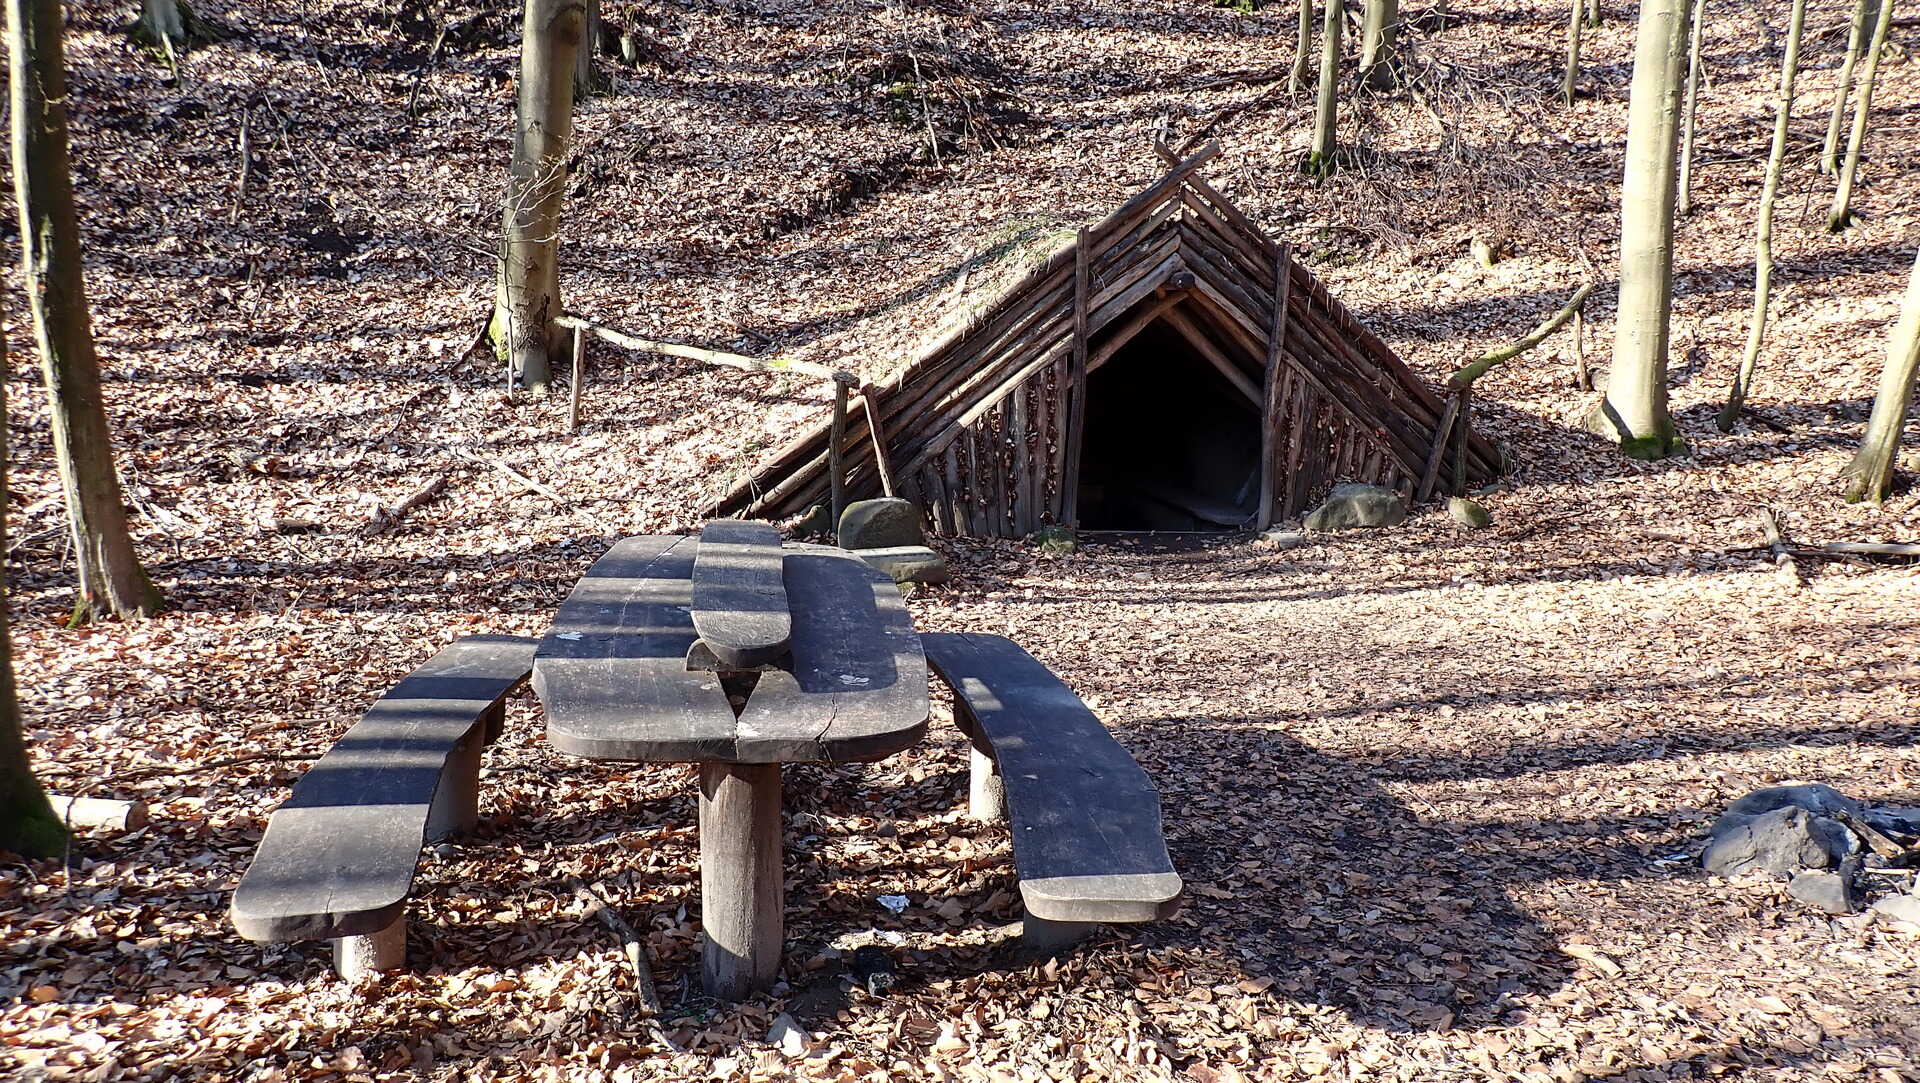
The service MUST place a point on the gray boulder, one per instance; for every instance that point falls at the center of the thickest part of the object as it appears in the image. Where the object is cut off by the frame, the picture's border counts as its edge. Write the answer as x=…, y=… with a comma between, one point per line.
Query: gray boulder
x=1900, y=911
x=1354, y=506
x=1468, y=512
x=1782, y=841
x=816, y=521
x=907, y=563
x=880, y=524
x=1834, y=891
x=1815, y=798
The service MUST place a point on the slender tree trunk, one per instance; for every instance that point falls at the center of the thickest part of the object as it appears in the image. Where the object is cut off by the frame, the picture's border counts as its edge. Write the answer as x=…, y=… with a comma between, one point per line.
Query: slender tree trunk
x=1578, y=9
x=528, y=294
x=1763, y=229
x=1593, y=14
x=1857, y=36
x=28, y=825
x=1380, y=44
x=587, y=78
x=1303, y=43
x=1635, y=408
x=1870, y=475
x=1326, y=110
x=111, y=579
x=1693, y=100
x=1842, y=213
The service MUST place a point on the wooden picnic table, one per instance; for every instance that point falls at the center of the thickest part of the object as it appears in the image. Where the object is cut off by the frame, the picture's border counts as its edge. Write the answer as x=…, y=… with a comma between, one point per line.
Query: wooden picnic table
x=642, y=660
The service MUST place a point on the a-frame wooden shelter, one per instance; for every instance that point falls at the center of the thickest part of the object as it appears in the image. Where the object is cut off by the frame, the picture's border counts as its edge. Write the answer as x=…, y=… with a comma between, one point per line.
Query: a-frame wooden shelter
x=1173, y=368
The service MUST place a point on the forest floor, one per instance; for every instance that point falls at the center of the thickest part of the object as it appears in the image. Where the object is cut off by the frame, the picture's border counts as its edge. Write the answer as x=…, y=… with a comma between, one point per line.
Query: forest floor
x=1437, y=794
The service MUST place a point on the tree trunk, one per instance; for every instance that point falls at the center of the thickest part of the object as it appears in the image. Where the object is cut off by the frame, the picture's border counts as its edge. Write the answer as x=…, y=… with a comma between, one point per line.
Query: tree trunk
x=1303, y=43
x=1635, y=408
x=1693, y=100
x=1325, y=113
x=170, y=26
x=111, y=580
x=1380, y=44
x=527, y=299
x=1842, y=213
x=1857, y=36
x=1578, y=8
x=28, y=826
x=1870, y=475
x=1763, y=229
x=1593, y=14
x=587, y=79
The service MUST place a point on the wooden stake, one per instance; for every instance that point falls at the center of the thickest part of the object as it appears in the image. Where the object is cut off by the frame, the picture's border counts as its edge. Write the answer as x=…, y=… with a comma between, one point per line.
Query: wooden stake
x=741, y=892
x=836, y=454
x=1076, y=385
x=1270, y=397
x=870, y=402
x=579, y=367
x=1440, y=433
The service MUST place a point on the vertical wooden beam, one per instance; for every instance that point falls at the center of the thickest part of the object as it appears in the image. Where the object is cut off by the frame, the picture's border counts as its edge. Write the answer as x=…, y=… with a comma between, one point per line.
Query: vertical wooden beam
x=1270, y=416
x=1024, y=520
x=1058, y=471
x=1299, y=420
x=579, y=366
x=1042, y=443
x=993, y=441
x=1463, y=427
x=1077, y=381
x=956, y=498
x=836, y=449
x=1441, y=431
x=742, y=905
x=869, y=401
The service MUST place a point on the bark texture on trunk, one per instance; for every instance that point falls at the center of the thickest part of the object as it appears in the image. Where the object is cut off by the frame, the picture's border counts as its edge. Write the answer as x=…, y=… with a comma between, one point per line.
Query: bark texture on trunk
x=1380, y=44
x=1857, y=35
x=1326, y=109
x=1593, y=13
x=1842, y=214
x=1693, y=100
x=170, y=26
x=1763, y=227
x=28, y=825
x=527, y=297
x=1303, y=44
x=587, y=78
x=1578, y=9
x=1634, y=411
x=1870, y=475
x=111, y=579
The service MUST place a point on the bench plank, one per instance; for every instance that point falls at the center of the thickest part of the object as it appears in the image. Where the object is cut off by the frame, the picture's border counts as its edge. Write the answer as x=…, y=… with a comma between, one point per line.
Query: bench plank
x=1085, y=819
x=338, y=857
x=857, y=689
x=740, y=594
x=612, y=673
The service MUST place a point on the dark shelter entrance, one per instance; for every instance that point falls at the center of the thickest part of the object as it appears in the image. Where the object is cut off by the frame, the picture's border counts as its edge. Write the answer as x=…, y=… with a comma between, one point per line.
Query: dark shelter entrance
x=1170, y=444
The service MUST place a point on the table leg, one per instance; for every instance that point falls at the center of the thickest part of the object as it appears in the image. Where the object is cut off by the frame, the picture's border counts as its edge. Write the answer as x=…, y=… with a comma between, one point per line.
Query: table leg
x=742, y=897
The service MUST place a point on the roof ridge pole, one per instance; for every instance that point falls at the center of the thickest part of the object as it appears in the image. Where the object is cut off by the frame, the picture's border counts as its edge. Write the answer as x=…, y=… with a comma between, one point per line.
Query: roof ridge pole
x=1270, y=412
x=1077, y=384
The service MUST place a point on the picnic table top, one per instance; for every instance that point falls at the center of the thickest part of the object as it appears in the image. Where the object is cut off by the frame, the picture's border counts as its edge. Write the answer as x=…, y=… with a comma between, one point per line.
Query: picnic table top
x=613, y=672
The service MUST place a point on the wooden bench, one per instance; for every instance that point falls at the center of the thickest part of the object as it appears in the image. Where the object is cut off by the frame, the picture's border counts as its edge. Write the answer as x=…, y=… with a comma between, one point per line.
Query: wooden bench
x=338, y=858
x=1085, y=819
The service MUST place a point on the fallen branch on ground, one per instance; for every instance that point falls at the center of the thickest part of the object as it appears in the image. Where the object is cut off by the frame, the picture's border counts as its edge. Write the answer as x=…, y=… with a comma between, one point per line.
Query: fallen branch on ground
x=387, y=517
x=1487, y=361
x=524, y=481
x=632, y=944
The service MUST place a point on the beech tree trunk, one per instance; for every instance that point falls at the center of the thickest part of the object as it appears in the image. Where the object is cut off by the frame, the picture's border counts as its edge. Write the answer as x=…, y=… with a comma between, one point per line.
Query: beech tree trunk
x=527, y=297
x=587, y=79
x=1634, y=411
x=169, y=25
x=1593, y=14
x=1325, y=114
x=28, y=826
x=1857, y=37
x=1870, y=475
x=1303, y=43
x=1842, y=214
x=1380, y=44
x=1763, y=229
x=1693, y=99
x=1578, y=10
x=111, y=579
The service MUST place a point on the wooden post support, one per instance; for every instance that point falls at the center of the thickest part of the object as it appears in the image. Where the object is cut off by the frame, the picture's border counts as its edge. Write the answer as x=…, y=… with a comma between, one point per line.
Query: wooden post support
x=986, y=790
x=579, y=366
x=870, y=401
x=386, y=949
x=1270, y=411
x=1076, y=387
x=1440, y=433
x=742, y=901
x=1044, y=937
x=836, y=451
x=1462, y=427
